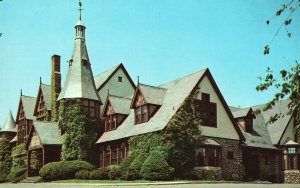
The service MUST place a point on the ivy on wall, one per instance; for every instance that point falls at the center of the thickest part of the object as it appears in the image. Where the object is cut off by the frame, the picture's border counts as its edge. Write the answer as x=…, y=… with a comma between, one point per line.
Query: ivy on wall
x=19, y=158
x=5, y=158
x=79, y=132
x=183, y=133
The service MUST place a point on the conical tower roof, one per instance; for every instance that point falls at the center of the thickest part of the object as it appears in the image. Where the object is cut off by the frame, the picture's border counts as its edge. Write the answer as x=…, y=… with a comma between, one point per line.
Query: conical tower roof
x=9, y=124
x=79, y=81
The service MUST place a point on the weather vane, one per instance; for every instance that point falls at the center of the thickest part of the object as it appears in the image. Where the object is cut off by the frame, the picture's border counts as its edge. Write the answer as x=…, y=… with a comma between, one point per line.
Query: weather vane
x=80, y=9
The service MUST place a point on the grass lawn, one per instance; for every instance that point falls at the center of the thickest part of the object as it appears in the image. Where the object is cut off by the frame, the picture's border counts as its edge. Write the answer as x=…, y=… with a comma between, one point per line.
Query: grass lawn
x=100, y=181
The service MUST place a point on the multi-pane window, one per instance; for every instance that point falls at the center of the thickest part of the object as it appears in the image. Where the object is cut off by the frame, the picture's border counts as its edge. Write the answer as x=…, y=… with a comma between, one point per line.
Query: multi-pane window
x=208, y=156
x=110, y=122
x=292, y=158
x=291, y=150
x=206, y=110
x=141, y=114
x=91, y=108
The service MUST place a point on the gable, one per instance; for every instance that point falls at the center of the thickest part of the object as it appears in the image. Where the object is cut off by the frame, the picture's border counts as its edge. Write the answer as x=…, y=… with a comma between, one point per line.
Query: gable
x=225, y=126
x=108, y=108
x=40, y=102
x=288, y=133
x=34, y=140
x=138, y=99
x=122, y=89
x=20, y=113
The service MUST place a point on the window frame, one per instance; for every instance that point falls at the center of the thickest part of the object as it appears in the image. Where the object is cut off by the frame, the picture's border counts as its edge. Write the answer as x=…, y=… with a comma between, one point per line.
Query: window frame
x=206, y=110
x=206, y=159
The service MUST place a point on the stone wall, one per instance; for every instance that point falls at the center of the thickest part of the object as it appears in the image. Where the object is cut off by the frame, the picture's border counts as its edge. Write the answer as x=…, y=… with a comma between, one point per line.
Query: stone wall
x=291, y=176
x=232, y=169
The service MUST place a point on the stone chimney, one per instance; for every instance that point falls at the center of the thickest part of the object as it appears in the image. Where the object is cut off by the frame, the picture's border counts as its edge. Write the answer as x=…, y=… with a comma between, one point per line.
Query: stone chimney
x=55, y=86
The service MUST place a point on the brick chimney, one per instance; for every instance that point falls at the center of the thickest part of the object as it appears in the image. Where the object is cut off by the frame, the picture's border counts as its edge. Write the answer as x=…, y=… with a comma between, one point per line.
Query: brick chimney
x=55, y=86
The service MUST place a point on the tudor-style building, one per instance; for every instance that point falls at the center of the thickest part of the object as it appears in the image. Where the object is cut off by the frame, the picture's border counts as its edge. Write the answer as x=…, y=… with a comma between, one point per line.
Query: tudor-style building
x=235, y=143
x=24, y=117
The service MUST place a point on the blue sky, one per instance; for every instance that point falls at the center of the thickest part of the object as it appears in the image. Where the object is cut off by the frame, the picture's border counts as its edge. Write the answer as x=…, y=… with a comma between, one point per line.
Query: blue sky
x=157, y=40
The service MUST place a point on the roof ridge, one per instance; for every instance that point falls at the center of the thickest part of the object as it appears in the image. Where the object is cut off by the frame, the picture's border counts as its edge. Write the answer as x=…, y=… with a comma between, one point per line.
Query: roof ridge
x=28, y=96
x=204, y=69
x=114, y=67
x=156, y=87
x=120, y=97
x=45, y=84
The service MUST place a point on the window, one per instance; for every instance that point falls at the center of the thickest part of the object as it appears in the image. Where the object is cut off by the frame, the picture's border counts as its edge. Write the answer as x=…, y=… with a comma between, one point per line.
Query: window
x=91, y=108
x=120, y=79
x=291, y=158
x=141, y=114
x=110, y=122
x=206, y=110
x=208, y=156
x=230, y=155
x=291, y=150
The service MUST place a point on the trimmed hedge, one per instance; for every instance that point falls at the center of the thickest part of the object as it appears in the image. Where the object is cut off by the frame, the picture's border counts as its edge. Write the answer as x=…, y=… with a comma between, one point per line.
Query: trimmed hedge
x=124, y=167
x=114, y=172
x=83, y=174
x=5, y=159
x=156, y=167
x=17, y=175
x=100, y=174
x=64, y=169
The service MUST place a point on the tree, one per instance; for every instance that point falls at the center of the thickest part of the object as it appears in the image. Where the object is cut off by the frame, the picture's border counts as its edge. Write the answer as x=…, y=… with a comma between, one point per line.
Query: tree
x=289, y=84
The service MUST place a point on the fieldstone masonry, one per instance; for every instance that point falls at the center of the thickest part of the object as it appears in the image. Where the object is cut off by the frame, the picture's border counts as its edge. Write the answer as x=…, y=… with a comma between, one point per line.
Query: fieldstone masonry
x=291, y=176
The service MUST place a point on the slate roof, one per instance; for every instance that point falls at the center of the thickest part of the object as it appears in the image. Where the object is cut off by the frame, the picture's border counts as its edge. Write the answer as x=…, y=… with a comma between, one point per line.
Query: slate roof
x=101, y=78
x=260, y=137
x=121, y=105
x=28, y=105
x=48, y=132
x=238, y=112
x=153, y=95
x=9, y=124
x=46, y=89
x=79, y=82
x=277, y=128
x=175, y=93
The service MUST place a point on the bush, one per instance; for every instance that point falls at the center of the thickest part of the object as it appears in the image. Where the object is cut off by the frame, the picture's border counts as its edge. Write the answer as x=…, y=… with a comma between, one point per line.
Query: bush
x=63, y=169
x=17, y=175
x=156, y=167
x=124, y=167
x=114, y=172
x=100, y=174
x=83, y=174
x=135, y=167
x=210, y=174
x=5, y=159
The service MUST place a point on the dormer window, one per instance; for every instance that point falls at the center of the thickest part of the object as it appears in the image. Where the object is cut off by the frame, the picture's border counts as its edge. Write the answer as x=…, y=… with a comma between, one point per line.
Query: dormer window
x=206, y=110
x=141, y=114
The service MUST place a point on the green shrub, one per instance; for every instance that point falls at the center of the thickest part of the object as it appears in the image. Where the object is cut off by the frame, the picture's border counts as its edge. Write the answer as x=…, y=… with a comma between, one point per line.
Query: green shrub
x=17, y=175
x=124, y=167
x=83, y=174
x=63, y=169
x=135, y=167
x=5, y=159
x=114, y=172
x=99, y=174
x=210, y=174
x=156, y=167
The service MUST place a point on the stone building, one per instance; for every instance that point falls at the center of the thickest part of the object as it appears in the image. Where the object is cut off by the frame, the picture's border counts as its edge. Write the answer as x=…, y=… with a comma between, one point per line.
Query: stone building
x=236, y=143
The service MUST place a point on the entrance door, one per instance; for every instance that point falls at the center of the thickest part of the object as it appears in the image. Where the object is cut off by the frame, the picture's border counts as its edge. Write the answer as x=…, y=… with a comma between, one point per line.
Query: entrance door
x=251, y=165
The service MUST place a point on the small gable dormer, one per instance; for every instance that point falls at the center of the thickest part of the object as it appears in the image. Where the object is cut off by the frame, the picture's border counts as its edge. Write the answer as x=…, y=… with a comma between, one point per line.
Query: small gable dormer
x=116, y=109
x=42, y=109
x=146, y=101
x=244, y=118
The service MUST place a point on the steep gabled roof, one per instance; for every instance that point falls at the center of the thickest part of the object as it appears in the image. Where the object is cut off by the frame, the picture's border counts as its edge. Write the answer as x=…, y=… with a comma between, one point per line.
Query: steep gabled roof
x=48, y=132
x=9, y=125
x=152, y=94
x=260, y=137
x=175, y=93
x=46, y=91
x=120, y=105
x=102, y=78
x=277, y=128
x=28, y=105
x=240, y=112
